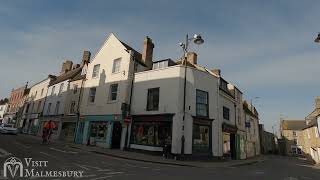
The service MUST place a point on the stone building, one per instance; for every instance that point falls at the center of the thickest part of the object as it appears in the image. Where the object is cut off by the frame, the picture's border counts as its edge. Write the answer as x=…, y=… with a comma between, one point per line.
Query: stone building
x=3, y=108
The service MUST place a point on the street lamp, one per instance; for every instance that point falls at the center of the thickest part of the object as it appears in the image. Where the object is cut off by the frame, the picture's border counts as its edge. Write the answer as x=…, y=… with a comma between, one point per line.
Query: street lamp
x=197, y=39
x=317, y=40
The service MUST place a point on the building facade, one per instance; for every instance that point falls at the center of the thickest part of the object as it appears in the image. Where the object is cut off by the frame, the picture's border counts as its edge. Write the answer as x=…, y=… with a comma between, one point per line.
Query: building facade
x=252, y=130
x=15, y=106
x=268, y=141
x=34, y=105
x=63, y=99
x=176, y=105
x=106, y=92
x=3, y=108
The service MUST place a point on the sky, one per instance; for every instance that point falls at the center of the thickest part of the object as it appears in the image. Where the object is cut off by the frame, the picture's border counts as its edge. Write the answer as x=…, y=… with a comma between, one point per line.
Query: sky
x=265, y=48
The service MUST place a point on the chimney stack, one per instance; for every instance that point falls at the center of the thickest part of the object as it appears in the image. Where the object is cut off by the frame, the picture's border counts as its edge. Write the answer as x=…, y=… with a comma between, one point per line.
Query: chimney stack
x=318, y=102
x=86, y=57
x=66, y=66
x=147, y=52
x=75, y=66
x=216, y=72
x=192, y=57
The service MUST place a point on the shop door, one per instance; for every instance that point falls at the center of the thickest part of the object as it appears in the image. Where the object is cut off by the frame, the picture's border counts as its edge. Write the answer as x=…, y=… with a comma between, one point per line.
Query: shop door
x=79, y=135
x=233, y=146
x=116, y=134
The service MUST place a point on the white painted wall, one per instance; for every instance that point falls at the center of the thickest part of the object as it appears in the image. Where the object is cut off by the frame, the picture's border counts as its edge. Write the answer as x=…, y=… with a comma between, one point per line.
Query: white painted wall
x=54, y=97
x=3, y=109
x=112, y=49
x=170, y=80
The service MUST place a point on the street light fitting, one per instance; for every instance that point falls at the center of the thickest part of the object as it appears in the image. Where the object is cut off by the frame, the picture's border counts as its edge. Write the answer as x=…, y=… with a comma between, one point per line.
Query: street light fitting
x=197, y=39
x=317, y=40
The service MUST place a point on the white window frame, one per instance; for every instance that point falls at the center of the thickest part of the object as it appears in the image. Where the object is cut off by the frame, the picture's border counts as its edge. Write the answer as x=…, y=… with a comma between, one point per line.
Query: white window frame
x=61, y=88
x=91, y=95
x=116, y=65
x=110, y=92
x=96, y=71
x=52, y=90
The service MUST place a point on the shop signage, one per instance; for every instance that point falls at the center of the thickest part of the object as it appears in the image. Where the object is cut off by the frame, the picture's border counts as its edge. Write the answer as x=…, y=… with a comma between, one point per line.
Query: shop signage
x=128, y=119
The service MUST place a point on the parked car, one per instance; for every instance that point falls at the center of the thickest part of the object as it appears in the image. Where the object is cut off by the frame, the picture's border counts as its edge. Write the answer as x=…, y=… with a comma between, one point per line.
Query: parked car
x=8, y=129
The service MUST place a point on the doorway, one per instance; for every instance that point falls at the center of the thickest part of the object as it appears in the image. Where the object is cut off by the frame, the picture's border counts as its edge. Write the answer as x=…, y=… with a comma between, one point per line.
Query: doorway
x=116, y=135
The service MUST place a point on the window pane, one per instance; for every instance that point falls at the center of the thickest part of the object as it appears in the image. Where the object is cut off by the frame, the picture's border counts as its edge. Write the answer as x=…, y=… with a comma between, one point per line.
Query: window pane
x=92, y=94
x=153, y=99
x=116, y=65
x=200, y=138
x=96, y=69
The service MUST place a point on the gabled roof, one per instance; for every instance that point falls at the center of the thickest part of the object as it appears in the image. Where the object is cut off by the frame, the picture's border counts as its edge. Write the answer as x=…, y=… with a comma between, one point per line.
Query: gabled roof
x=247, y=110
x=137, y=55
x=293, y=124
x=68, y=75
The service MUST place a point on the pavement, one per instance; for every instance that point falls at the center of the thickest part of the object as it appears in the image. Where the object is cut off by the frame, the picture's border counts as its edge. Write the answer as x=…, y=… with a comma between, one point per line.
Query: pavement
x=113, y=164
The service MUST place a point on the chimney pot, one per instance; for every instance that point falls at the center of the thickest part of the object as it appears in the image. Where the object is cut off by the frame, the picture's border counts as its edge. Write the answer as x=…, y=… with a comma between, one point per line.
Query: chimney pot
x=66, y=66
x=192, y=57
x=86, y=57
x=147, y=52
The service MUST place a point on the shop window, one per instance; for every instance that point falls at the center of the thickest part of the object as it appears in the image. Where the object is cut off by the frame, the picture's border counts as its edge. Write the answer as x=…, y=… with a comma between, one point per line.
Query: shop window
x=92, y=94
x=95, y=72
x=226, y=113
x=202, y=103
x=151, y=133
x=113, y=92
x=201, y=136
x=153, y=99
x=116, y=65
x=98, y=130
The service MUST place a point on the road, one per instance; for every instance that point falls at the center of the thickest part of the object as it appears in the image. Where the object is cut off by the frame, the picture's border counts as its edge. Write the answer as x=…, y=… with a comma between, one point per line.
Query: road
x=60, y=157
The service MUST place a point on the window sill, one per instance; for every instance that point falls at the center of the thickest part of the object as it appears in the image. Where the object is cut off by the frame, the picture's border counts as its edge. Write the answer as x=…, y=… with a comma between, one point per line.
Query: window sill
x=112, y=102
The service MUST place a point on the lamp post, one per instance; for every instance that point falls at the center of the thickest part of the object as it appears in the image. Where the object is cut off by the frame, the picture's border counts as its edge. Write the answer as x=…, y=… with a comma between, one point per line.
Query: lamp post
x=197, y=39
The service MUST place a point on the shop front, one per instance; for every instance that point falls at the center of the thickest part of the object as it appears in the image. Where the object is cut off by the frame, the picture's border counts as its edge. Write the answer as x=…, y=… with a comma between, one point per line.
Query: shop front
x=230, y=144
x=151, y=132
x=202, y=137
x=100, y=130
x=68, y=128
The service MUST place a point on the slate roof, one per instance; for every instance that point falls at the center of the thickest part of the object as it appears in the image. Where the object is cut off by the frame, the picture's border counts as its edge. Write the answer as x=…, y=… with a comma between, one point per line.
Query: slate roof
x=293, y=124
x=68, y=75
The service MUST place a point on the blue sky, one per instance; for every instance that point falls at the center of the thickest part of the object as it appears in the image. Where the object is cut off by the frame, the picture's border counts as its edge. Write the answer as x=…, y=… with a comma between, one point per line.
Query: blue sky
x=264, y=47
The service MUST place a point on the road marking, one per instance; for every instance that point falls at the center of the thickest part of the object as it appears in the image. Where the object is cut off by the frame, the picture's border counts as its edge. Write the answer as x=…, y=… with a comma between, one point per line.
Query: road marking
x=4, y=153
x=88, y=176
x=59, y=150
x=97, y=168
x=112, y=173
x=82, y=167
x=55, y=157
x=105, y=170
x=102, y=177
x=23, y=145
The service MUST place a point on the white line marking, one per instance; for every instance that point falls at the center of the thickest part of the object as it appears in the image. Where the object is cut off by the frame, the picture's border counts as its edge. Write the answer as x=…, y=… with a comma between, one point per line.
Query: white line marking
x=23, y=145
x=59, y=150
x=49, y=155
x=82, y=167
x=97, y=168
x=112, y=173
x=102, y=177
x=105, y=170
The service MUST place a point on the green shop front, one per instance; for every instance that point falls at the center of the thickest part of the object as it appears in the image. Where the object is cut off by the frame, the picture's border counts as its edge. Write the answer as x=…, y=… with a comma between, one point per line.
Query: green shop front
x=100, y=130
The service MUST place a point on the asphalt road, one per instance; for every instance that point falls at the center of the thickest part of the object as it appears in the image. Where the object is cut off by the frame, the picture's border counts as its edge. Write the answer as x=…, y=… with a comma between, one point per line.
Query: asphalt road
x=59, y=157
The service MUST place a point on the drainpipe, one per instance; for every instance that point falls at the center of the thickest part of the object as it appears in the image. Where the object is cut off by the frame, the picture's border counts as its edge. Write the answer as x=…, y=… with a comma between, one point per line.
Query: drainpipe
x=130, y=99
x=78, y=109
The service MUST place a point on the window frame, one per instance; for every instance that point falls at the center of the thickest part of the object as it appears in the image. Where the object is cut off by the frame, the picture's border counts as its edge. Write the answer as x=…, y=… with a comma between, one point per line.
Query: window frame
x=224, y=108
x=91, y=95
x=57, y=108
x=52, y=90
x=116, y=66
x=49, y=108
x=199, y=103
x=153, y=108
x=61, y=88
x=95, y=71
x=111, y=92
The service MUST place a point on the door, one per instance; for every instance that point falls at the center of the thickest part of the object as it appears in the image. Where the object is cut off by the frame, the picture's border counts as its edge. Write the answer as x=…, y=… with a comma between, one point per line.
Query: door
x=79, y=135
x=116, y=135
x=233, y=146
